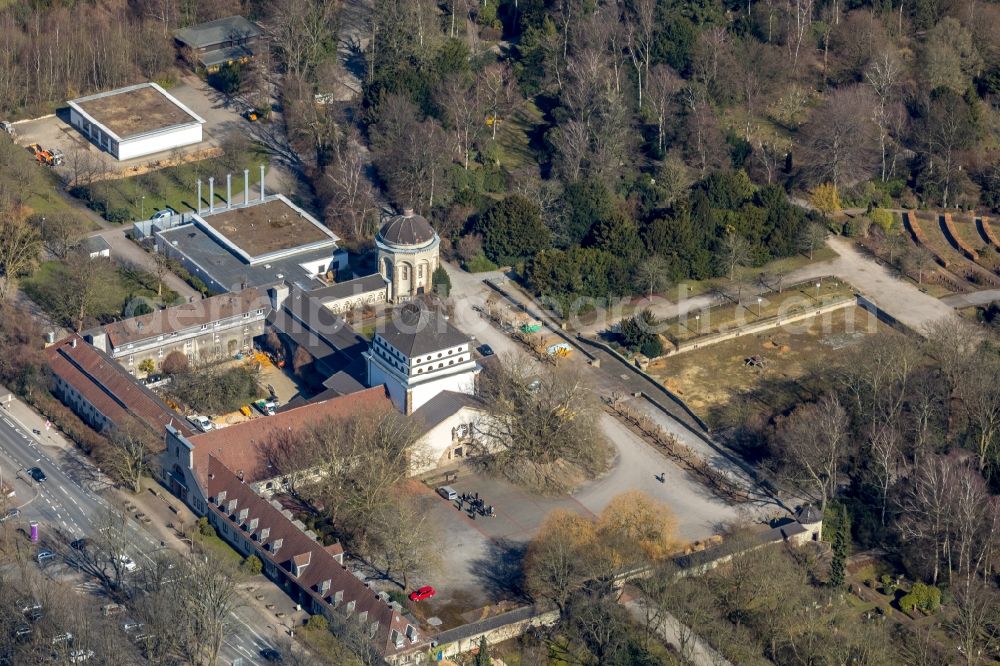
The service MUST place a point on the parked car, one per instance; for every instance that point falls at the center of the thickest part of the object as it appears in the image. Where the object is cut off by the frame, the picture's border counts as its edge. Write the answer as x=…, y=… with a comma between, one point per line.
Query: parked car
x=128, y=563
x=163, y=214
x=425, y=592
x=79, y=544
x=22, y=632
x=65, y=637
x=131, y=626
x=271, y=655
x=201, y=422
x=534, y=386
x=265, y=407
x=45, y=556
x=37, y=474
x=485, y=350
x=448, y=493
x=11, y=513
x=78, y=656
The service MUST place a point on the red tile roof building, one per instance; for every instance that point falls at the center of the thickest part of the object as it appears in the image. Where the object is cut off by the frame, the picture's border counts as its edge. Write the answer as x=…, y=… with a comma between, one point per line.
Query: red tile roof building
x=221, y=473
x=101, y=392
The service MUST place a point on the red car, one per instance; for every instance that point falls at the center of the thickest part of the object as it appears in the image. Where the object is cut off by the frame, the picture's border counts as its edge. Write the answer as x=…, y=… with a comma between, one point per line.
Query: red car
x=426, y=592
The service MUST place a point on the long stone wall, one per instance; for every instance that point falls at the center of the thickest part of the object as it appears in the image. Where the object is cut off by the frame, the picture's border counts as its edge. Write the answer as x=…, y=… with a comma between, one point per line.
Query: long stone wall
x=757, y=327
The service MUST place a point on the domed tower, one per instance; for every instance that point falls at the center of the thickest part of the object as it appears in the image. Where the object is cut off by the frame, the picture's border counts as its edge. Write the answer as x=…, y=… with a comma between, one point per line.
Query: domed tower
x=407, y=255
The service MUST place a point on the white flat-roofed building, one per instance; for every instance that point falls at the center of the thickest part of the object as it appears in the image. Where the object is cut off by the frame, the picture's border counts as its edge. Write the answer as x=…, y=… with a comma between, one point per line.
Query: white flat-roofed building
x=418, y=355
x=136, y=121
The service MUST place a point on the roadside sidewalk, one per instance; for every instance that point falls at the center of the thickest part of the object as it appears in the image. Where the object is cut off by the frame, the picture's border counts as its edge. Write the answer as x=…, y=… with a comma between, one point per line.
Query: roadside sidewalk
x=266, y=610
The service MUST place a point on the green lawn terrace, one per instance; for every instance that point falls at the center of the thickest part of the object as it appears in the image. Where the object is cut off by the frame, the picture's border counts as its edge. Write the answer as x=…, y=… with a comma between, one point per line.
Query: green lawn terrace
x=739, y=307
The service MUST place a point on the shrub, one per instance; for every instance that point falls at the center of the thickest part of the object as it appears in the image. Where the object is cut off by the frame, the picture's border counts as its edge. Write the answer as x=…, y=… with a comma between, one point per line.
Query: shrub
x=251, y=566
x=204, y=528
x=442, y=283
x=925, y=597
x=175, y=362
x=118, y=215
x=883, y=219
x=317, y=623
x=479, y=264
x=147, y=366
x=638, y=333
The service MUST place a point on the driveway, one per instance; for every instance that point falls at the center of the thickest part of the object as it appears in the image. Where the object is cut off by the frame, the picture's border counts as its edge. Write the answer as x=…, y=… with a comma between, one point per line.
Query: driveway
x=984, y=297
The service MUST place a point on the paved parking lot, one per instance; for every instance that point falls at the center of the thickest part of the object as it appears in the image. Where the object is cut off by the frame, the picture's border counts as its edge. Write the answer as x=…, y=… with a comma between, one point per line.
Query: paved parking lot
x=56, y=132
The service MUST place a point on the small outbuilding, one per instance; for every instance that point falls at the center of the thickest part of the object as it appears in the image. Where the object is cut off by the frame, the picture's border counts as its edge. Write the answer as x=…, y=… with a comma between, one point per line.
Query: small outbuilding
x=136, y=121
x=226, y=41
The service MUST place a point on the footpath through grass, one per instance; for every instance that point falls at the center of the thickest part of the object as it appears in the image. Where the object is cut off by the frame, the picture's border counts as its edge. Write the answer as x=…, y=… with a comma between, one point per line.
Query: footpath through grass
x=730, y=315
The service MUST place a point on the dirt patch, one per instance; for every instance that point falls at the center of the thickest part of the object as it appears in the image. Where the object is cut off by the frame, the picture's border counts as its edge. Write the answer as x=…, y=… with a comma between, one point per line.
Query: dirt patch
x=710, y=377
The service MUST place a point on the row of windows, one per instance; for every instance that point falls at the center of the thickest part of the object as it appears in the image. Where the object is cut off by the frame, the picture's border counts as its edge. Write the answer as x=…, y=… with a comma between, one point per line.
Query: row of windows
x=451, y=361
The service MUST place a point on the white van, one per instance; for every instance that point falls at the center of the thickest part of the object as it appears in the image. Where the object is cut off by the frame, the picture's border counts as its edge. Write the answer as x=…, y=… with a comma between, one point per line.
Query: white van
x=448, y=493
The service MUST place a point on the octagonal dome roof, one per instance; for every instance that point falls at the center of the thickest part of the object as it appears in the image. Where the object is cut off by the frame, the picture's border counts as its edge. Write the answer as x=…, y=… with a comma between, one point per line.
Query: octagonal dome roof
x=408, y=229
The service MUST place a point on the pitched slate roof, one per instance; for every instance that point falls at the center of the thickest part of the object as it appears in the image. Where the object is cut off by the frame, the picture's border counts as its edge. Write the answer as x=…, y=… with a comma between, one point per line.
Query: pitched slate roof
x=183, y=317
x=219, y=31
x=355, y=287
x=109, y=387
x=441, y=406
x=321, y=575
x=239, y=447
x=415, y=330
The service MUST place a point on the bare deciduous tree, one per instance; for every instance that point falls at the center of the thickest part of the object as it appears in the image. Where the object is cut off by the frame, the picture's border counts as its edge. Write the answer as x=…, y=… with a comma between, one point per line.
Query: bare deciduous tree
x=19, y=248
x=813, y=446
x=544, y=437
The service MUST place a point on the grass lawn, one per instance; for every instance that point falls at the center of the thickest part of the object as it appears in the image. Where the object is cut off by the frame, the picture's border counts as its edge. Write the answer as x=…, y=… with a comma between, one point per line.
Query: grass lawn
x=327, y=646
x=46, y=199
x=217, y=548
x=727, y=316
x=47, y=285
x=708, y=379
x=692, y=288
x=138, y=197
x=514, y=137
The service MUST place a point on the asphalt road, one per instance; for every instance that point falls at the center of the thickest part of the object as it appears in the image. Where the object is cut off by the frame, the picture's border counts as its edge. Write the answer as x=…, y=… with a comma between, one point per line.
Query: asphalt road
x=69, y=499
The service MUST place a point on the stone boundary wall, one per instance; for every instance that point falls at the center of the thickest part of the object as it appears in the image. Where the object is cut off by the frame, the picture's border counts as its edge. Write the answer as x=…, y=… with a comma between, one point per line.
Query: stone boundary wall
x=757, y=327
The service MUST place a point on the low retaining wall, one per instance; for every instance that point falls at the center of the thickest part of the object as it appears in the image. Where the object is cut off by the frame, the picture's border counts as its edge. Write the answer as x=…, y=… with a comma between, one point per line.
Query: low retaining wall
x=757, y=327
x=495, y=629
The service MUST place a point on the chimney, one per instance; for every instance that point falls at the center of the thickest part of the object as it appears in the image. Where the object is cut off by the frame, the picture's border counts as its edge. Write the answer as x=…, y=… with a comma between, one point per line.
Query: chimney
x=73, y=343
x=211, y=194
x=246, y=187
x=199, y=196
x=262, y=183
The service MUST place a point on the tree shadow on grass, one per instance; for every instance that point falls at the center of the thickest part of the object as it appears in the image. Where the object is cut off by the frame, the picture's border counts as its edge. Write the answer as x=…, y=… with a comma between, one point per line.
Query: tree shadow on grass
x=501, y=570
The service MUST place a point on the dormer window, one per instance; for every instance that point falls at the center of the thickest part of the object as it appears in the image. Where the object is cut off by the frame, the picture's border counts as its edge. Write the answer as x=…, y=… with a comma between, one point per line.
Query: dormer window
x=349, y=608
x=338, y=597
x=253, y=524
x=222, y=493
x=324, y=586
x=264, y=533
x=276, y=546
x=373, y=629
x=231, y=507
x=243, y=515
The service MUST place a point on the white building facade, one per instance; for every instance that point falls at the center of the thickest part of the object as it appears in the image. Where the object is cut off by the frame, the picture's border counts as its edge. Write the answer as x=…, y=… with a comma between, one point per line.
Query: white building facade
x=419, y=355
